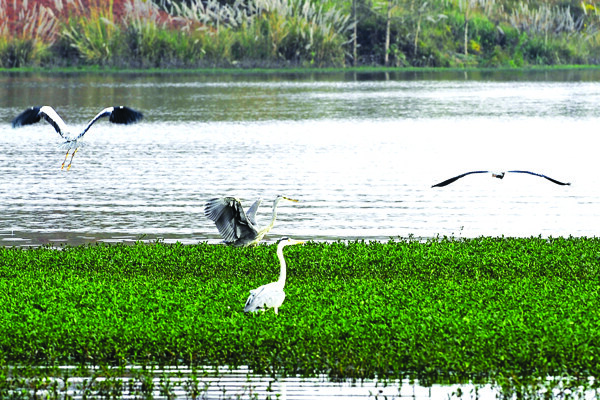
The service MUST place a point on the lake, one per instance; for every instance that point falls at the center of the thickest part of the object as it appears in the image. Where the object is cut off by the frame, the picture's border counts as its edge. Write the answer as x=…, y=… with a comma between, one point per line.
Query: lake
x=359, y=150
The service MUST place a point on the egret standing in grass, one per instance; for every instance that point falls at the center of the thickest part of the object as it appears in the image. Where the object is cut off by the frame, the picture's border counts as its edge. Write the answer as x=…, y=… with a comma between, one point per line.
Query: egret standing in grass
x=237, y=227
x=271, y=295
x=117, y=115
x=499, y=175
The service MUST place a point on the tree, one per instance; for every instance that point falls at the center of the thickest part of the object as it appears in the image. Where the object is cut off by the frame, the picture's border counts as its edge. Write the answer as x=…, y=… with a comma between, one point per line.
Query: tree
x=355, y=34
x=391, y=6
x=466, y=6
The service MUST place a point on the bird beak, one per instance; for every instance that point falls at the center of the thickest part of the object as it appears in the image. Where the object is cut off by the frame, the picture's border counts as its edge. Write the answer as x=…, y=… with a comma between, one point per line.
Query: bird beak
x=287, y=198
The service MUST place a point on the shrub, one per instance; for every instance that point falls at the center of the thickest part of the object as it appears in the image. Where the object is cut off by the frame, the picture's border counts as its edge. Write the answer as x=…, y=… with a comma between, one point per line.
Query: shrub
x=94, y=36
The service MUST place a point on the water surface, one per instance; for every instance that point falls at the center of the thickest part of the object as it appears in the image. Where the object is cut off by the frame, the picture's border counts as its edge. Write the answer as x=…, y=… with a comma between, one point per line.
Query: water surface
x=242, y=383
x=360, y=152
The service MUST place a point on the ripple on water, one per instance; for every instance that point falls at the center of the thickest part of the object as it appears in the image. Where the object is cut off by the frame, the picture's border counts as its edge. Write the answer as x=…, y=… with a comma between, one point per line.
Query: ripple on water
x=360, y=155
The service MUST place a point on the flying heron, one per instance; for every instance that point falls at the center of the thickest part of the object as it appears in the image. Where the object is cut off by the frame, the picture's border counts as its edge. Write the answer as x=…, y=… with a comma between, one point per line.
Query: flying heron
x=498, y=175
x=117, y=115
x=236, y=226
x=271, y=295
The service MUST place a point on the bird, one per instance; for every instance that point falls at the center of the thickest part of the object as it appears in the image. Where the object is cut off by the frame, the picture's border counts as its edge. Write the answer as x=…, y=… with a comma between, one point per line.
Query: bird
x=271, y=295
x=498, y=175
x=117, y=115
x=237, y=227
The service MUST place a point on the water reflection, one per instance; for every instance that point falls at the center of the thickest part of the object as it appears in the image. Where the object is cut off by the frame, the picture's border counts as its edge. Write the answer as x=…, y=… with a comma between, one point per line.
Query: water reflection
x=243, y=383
x=360, y=151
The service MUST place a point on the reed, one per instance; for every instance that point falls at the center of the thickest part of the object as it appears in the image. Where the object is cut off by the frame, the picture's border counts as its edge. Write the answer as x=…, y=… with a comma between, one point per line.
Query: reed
x=272, y=30
x=271, y=33
x=93, y=33
x=151, y=42
x=27, y=40
x=545, y=20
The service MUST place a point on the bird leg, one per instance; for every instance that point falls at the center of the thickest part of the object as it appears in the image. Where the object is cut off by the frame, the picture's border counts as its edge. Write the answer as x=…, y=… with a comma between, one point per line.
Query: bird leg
x=71, y=160
x=65, y=160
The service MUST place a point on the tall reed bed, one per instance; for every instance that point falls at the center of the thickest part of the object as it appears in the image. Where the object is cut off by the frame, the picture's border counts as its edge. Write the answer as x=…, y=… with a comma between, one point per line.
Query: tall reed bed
x=29, y=37
x=94, y=35
x=273, y=32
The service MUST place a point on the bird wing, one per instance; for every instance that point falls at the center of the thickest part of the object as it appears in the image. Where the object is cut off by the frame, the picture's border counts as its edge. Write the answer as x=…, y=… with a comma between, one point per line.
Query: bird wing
x=117, y=115
x=34, y=114
x=269, y=295
x=251, y=301
x=251, y=213
x=449, y=181
x=230, y=218
x=543, y=176
x=27, y=117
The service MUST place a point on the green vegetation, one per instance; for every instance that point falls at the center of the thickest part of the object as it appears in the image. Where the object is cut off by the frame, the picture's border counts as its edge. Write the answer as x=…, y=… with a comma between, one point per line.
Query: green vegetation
x=503, y=309
x=306, y=33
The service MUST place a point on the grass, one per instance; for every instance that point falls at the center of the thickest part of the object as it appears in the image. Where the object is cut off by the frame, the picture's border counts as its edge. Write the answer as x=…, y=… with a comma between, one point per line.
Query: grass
x=91, y=69
x=441, y=310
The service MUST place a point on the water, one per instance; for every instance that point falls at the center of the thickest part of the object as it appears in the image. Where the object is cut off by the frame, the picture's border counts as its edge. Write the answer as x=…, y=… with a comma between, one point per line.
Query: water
x=360, y=152
x=136, y=382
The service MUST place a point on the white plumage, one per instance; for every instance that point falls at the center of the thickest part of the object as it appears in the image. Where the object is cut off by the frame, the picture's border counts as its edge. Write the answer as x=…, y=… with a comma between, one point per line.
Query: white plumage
x=117, y=115
x=271, y=295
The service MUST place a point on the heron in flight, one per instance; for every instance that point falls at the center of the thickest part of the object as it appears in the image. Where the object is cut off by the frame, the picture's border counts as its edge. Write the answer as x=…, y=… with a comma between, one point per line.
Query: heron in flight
x=117, y=115
x=237, y=227
x=271, y=295
x=498, y=175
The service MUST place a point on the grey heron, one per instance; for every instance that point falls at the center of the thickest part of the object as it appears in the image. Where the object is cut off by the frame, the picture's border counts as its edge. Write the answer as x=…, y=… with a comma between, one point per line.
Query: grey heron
x=237, y=227
x=498, y=175
x=271, y=295
x=117, y=115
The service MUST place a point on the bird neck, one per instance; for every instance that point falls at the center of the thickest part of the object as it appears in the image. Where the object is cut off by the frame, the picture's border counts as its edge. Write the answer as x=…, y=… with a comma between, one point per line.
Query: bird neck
x=275, y=203
x=261, y=233
x=282, y=272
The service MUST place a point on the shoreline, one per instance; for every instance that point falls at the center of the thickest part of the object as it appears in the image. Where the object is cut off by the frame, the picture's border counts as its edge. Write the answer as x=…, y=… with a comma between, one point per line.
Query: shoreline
x=285, y=70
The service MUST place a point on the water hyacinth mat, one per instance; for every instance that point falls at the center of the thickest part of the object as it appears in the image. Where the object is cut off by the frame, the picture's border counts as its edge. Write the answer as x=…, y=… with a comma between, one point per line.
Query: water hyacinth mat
x=442, y=309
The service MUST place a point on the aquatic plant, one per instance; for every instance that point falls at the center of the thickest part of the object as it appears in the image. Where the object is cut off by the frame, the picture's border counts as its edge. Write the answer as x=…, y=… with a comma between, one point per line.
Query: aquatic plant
x=442, y=309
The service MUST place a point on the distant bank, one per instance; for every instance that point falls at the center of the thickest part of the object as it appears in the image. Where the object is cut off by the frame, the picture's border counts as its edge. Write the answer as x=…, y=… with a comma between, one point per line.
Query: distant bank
x=297, y=34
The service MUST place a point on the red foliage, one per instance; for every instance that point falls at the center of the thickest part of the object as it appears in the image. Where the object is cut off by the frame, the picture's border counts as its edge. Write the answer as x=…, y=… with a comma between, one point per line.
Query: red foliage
x=70, y=8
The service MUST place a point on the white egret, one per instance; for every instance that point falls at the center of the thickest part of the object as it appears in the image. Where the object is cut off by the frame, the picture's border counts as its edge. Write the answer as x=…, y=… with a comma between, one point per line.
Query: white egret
x=117, y=115
x=271, y=295
x=498, y=175
x=237, y=227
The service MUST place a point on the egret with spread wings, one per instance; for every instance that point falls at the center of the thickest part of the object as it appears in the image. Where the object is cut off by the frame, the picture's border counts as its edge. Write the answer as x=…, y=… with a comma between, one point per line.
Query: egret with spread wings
x=117, y=115
x=271, y=295
x=237, y=227
x=498, y=175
